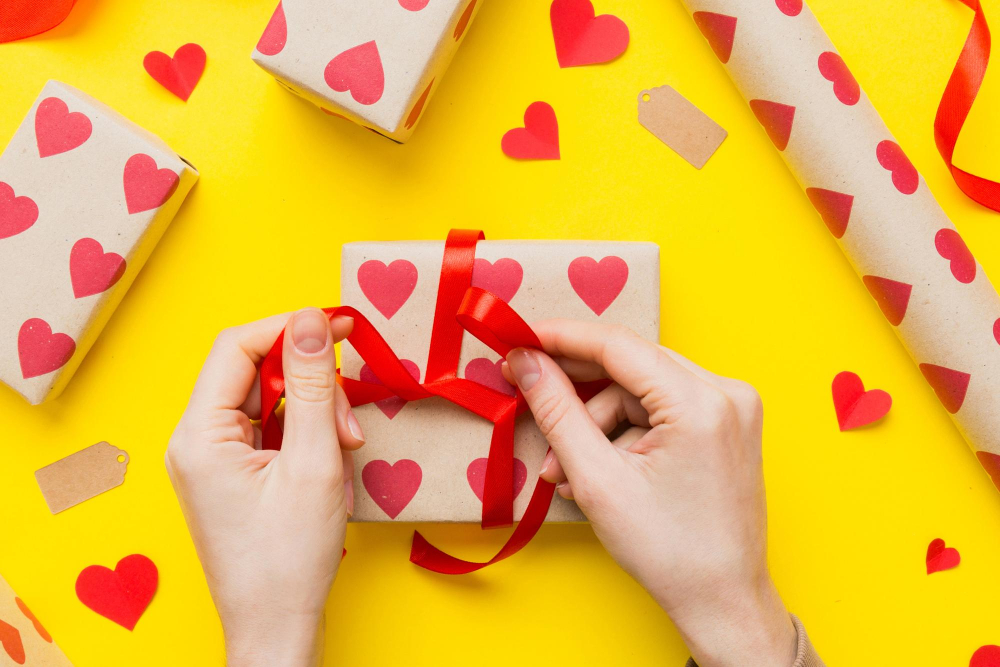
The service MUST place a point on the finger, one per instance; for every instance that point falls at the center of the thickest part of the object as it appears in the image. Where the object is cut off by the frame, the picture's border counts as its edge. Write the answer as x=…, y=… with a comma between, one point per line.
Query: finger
x=348, y=428
x=348, y=464
x=625, y=442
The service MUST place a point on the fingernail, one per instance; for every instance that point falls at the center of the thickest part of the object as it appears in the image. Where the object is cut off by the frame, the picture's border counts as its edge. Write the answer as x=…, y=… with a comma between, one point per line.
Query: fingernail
x=546, y=462
x=349, y=496
x=352, y=423
x=525, y=369
x=310, y=331
x=561, y=487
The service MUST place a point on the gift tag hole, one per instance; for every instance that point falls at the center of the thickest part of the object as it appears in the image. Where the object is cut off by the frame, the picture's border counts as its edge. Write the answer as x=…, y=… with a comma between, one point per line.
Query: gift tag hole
x=645, y=97
x=121, y=458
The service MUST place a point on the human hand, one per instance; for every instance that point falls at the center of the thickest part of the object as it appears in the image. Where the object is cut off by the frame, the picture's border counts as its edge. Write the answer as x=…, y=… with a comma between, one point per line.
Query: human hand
x=269, y=526
x=677, y=498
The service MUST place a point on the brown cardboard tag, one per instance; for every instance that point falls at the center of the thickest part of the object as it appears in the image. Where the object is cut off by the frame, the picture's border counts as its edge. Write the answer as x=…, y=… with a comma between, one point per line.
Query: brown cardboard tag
x=680, y=124
x=81, y=476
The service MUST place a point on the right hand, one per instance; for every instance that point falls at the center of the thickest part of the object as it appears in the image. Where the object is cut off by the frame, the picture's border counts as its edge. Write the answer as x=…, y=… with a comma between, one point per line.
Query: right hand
x=678, y=498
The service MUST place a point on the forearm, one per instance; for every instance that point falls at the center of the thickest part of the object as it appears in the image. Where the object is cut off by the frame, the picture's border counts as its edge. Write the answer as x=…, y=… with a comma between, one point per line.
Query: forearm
x=279, y=642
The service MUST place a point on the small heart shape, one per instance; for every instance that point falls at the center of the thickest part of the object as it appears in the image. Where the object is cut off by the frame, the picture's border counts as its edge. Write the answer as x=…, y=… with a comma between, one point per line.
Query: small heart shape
x=598, y=284
x=949, y=385
x=991, y=464
x=390, y=407
x=719, y=30
x=776, y=119
x=834, y=207
x=120, y=595
x=856, y=407
x=10, y=639
x=581, y=37
x=57, y=130
x=996, y=331
x=392, y=487
x=273, y=39
x=940, y=558
x=413, y=5
x=146, y=187
x=986, y=656
x=538, y=139
x=16, y=213
x=92, y=270
x=789, y=7
x=42, y=632
x=179, y=74
x=951, y=246
x=387, y=287
x=892, y=297
x=463, y=21
x=502, y=277
x=476, y=474
x=488, y=373
x=358, y=70
x=418, y=106
x=40, y=351
x=892, y=158
x=845, y=86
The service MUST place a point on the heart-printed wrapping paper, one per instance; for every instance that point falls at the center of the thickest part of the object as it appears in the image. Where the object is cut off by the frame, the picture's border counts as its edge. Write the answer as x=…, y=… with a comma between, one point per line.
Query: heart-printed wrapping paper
x=24, y=641
x=424, y=461
x=85, y=195
x=908, y=253
x=376, y=64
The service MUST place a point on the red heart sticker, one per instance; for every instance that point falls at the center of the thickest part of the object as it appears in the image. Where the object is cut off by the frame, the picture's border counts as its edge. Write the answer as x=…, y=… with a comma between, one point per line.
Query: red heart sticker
x=502, y=277
x=582, y=38
x=92, y=270
x=834, y=207
x=16, y=213
x=358, y=70
x=856, y=407
x=42, y=632
x=940, y=558
x=272, y=41
x=776, y=118
x=41, y=351
x=476, y=474
x=949, y=385
x=789, y=7
x=387, y=287
x=391, y=406
x=892, y=297
x=146, y=187
x=463, y=21
x=598, y=284
x=57, y=130
x=538, y=139
x=10, y=639
x=719, y=30
x=392, y=487
x=950, y=245
x=179, y=74
x=893, y=159
x=122, y=594
x=488, y=373
x=986, y=656
x=845, y=86
x=418, y=106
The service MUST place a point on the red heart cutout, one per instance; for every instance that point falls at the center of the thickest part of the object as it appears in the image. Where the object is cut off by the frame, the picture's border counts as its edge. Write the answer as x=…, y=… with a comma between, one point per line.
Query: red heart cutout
x=893, y=159
x=845, y=86
x=940, y=558
x=476, y=474
x=991, y=464
x=582, y=38
x=272, y=41
x=359, y=70
x=986, y=656
x=179, y=74
x=834, y=207
x=418, y=106
x=10, y=639
x=538, y=139
x=891, y=296
x=950, y=245
x=392, y=487
x=16, y=213
x=777, y=120
x=91, y=269
x=57, y=130
x=413, y=5
x=40, y=350
x=856, y=407
x=122, y=594
x=387, y=287
x=146, y=187
x=598, y=283
x=463, y=21
x=502, y=277
x=719, y=30
x=42, y=632
x=789, y=7
x=949, y=385
x=390, y=407
x=488, y=373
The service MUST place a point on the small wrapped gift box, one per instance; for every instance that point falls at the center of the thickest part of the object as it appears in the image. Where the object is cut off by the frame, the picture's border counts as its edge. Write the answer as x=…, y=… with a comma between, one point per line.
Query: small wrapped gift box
x=375, y=63
x=23, y=638
x=84, y=197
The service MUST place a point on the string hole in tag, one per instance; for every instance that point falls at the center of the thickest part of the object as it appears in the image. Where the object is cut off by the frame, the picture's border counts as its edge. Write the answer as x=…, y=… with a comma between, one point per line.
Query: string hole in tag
x=645, y=97
x=121, y=458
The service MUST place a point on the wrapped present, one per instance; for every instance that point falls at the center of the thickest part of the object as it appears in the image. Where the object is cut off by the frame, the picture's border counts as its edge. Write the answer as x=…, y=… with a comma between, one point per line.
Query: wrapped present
x=23, y=638
x=84, y=197
x=376, y=64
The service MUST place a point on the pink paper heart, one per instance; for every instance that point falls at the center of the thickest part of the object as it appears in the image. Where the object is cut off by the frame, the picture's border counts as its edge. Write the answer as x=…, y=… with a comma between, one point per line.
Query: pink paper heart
x=940, y=557
x=476, y=474
x=16, y=213
x=390, y=407
x=387, y=287
x=581, y=37
x=92, y=270
x=503, y=277
x=538, y=139
x=488, y=373
x=57, y=130
x=146, y=187
x=856, y=407
x=41, y=351
x=598, y=284
x=392, y=487
x=358, y=70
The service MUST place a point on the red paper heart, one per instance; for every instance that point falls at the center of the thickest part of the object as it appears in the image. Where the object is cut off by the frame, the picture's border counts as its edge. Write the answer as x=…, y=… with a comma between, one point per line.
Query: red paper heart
x=845, y=86
x=719, y=30
x=834, y=207
x=359, y=70
x=16, y=213
x=991, y=464
x=789, y=7
x=488, y=374
x=392, y=487
x=41, y=351
x=10, y=639
x=91, y=269
x=950, y=245
x=893, y=159
x=502, y=277
x=986, y=656
x=387, y=287
x=476, y=474
x=122, y=594
x=949, y=385
x=42, y=632
x=57, y=130
x=413, y=5
x=463, y=21
x=598, y=283
x=146, y=187
x=856, y=407
x=777, y=120
x=390, y=407
x=582, y=38
x=272, y=41
x=891, y=296
x=418, y=106
x=538, y=139
x=940, y=558
x=179, y=74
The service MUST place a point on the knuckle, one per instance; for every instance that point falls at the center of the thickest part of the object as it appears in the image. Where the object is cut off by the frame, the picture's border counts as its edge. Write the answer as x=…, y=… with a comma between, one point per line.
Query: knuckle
x=225, y=339
x=550, y=411
x=313, y=384
x=717, y=412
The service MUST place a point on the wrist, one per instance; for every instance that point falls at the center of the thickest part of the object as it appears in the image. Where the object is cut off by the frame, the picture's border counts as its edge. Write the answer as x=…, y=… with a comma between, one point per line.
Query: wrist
x=286, y=639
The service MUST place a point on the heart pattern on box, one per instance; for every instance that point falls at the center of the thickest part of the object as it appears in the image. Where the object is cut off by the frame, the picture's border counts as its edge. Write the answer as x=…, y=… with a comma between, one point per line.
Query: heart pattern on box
x=777, y=120
x=120, y=595
x=789, y=7
x=583, y=38
x=894, y=160
x=502, y=277
x=92, y=270
x=42, y=632
x=463, y=21
x=538, y=139
x=950, y=385
x=856, y=407
x=996, y=331
x=17, y=214
x=991, y=464
x=40, y=351
x=272, y=41
x=10, y=640
x=845, y=86
x=178, y=74
x=719, y=30
x=892, y=297
x=391, y=406
x=598, y=284
x=387, y=287
x=941, y=558
x=358, y=70
x=392, y=487
x=487, y=373
x=57, y=130
x=413, y=5
x=950, y=246
x=476, y=474
x=418, y=106
x=146, y=187
x=834, y=207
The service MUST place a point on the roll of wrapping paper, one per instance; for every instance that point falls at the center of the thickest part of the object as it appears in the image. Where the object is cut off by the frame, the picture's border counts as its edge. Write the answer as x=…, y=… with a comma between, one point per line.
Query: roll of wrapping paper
x=874, y=202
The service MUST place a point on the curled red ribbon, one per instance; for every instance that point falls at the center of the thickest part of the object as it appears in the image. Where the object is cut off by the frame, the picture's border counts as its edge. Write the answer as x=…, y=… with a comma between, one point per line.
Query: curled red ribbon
x=956, y=103
x=460, y=307
x=24, y=18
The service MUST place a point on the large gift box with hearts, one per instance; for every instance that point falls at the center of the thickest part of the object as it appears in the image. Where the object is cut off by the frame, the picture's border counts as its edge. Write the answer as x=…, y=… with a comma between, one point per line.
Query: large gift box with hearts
x=425, y=460
x=85, y=195
x=23, y=638
x=376, y=64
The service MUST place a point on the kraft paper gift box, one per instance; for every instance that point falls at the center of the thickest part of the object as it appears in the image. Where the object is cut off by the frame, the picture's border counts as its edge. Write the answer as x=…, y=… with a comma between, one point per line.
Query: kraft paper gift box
x=375, y=63
x=85, y=195
x=24, y=641
x=425, y=460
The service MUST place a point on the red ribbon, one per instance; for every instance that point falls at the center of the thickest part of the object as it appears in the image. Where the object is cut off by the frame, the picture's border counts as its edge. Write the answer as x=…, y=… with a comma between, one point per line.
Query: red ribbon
x=460, y=307
x=24, y=18
x=959, y=94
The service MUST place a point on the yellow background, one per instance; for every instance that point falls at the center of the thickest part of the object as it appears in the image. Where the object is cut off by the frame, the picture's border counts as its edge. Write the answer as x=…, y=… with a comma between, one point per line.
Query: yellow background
x=753, y=287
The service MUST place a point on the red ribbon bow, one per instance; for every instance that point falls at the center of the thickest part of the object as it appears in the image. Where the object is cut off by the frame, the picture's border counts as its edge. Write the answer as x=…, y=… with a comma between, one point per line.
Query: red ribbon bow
x=460, y=307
